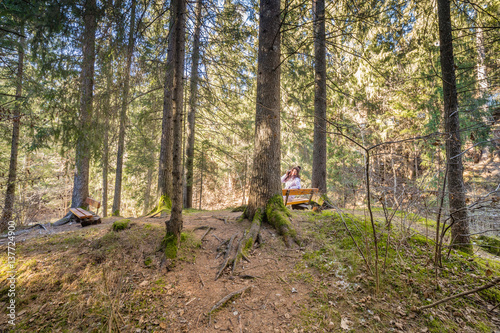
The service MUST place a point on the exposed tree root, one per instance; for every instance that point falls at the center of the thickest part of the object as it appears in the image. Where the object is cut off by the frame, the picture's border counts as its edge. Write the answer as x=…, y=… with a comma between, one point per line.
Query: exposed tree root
x=206, y=233
x=227, y=259
x=164, y=205
x=64, y=220
x=278, y=216
x=226, y=298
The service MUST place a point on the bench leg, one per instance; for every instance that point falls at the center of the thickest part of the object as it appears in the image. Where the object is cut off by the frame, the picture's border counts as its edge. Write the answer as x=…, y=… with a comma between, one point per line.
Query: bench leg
x=310, y=198
x=286, y=198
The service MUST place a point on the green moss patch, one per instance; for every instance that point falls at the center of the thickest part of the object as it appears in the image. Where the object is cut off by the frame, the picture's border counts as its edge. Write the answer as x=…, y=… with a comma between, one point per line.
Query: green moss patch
x=278, y=216
x=121, y=225
x=169, y=244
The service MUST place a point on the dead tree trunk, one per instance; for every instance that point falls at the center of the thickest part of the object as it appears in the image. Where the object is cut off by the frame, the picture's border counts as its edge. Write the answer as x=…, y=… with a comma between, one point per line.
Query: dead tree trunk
x=123, y=115
x=11, y=180
x=192, y=107
x=82, y=159
x=458, y=210
x=318, y=178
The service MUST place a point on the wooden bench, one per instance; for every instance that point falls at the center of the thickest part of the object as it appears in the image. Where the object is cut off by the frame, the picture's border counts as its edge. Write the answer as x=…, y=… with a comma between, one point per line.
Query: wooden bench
x=302, y=191
x=85, y=217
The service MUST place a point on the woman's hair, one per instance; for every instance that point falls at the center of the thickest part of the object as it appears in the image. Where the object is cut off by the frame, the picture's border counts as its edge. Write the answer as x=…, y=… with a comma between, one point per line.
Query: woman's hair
x=298, y=168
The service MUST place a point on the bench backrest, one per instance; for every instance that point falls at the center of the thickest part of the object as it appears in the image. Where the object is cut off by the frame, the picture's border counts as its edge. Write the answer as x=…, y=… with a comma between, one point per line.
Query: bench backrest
x=300, y=191
x=93, y=203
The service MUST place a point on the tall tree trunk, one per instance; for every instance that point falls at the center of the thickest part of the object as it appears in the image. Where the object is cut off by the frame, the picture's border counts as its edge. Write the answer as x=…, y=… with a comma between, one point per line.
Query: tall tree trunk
x=11, y=180
x=460, y=230
x=174, y=225
x=105, y=152
x=319, y=154
x=82, y=160
x=165, y=160
x=482, y=79
x=123, y=115
x=267, y=147
x=192, y=107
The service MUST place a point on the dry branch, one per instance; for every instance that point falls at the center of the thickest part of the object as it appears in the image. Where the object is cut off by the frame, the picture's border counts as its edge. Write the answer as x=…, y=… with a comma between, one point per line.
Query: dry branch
x=486, y=286
x=226, y=258
x=226, y=298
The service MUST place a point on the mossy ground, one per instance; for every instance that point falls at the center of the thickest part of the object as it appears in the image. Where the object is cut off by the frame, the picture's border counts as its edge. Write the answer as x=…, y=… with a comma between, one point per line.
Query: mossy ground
x=407, y=278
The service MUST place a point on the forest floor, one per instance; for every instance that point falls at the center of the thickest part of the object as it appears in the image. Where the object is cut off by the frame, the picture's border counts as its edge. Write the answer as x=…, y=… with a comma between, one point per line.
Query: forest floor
x=93, y=279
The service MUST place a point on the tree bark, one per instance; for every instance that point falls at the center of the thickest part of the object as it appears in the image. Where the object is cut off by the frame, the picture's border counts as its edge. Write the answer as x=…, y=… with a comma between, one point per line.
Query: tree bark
x=11, y=180
x=105, y=148
x=123, y=115
x=149, y=179
x=460, y=230
x=174, y=225
x=82, y=159
x=319, y=154
x=165, y=160
x=192, y=107
x=267, y=147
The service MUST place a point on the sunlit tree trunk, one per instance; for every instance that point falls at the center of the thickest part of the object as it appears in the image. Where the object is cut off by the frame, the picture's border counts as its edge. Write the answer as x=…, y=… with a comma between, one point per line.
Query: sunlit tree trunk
x=123, y=115
x=147, y=195
x=105, y=148
x=265, y=181
x=174, y=225
x=82, y=160
x=11, y=180
x=192, y=107
x=318, y=178
x=165, y=165
x=456, y=191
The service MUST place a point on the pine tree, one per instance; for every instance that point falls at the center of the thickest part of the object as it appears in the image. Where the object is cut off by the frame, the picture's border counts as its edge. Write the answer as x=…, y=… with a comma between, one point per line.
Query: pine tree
x=174, y=225
x=460, y=237
x=82, y=159
x=193, y=96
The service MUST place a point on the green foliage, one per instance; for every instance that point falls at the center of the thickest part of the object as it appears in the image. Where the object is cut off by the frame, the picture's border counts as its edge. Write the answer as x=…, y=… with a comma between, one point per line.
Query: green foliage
x=121, y=225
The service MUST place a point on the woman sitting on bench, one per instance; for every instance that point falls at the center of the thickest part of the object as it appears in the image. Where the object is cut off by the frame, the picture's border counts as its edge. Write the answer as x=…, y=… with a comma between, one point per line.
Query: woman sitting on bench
x=292, y=179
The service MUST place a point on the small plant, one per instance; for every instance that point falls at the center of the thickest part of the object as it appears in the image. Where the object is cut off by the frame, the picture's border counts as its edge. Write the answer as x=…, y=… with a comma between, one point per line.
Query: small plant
x=121, y=225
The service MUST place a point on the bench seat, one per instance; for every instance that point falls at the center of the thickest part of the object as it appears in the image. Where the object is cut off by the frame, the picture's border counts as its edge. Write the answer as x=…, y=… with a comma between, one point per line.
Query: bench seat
x=81, y=213
x=295, y=201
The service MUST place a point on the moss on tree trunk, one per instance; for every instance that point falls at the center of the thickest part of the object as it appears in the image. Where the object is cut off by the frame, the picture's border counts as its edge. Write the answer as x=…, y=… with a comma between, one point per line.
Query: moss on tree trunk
x=170, y=245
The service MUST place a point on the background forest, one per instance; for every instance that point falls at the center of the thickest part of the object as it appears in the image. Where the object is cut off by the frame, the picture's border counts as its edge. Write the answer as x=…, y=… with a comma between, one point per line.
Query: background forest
x=383, y=88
